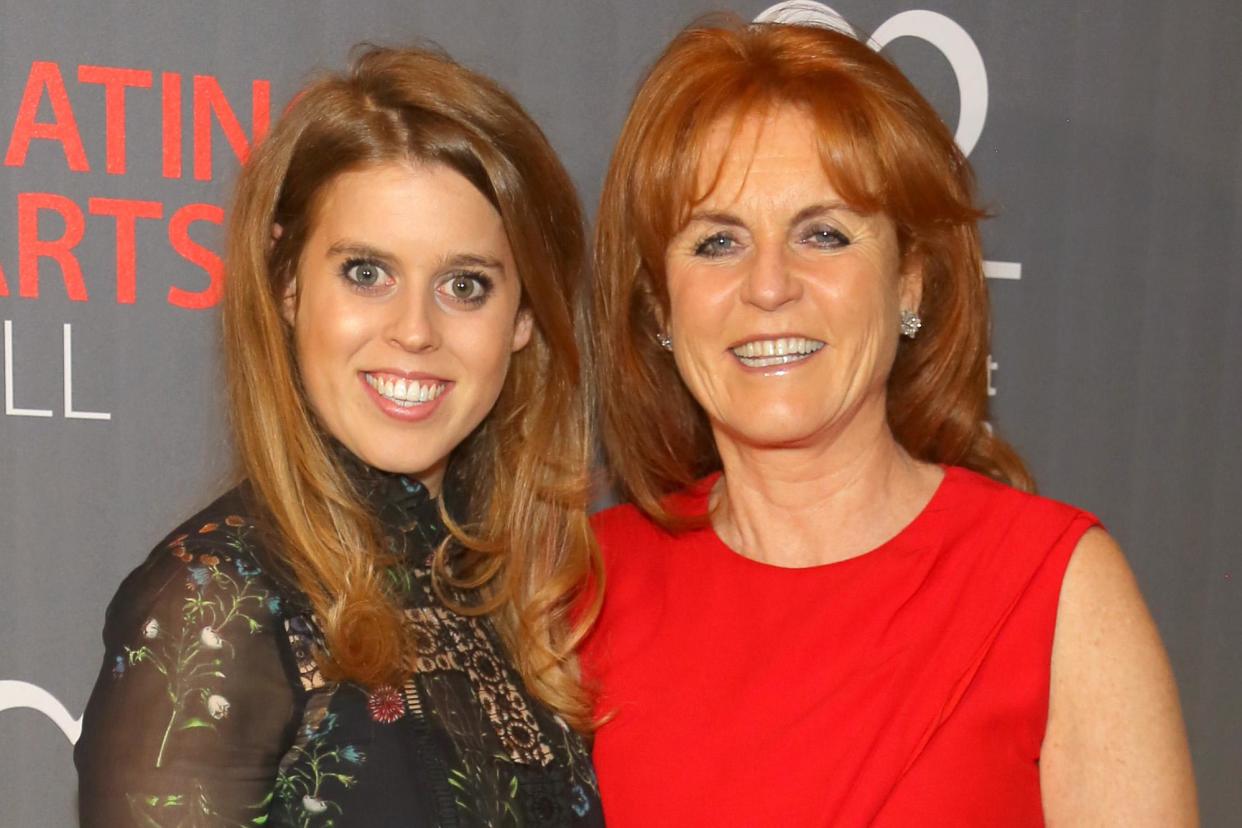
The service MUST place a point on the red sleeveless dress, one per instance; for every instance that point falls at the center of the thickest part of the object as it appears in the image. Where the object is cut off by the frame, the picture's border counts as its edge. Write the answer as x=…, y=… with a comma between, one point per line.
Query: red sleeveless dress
x=906, y=686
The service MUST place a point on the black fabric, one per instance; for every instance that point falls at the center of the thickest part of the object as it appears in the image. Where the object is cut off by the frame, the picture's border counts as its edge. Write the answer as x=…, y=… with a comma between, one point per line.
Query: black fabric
x=210, y=709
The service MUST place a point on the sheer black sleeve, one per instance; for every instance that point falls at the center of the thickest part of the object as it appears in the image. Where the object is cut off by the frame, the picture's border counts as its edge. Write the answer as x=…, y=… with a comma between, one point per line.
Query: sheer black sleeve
x=194, y=706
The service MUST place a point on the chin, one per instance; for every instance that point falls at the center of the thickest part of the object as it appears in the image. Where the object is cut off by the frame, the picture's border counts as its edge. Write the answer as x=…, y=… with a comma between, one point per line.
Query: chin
x=775, y=431
x=391, y=457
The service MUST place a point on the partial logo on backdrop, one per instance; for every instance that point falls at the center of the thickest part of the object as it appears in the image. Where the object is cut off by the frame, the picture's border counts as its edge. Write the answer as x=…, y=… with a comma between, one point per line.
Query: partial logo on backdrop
x=51, y=226
x=957, y=47
x=190, y=114
x=19, y=694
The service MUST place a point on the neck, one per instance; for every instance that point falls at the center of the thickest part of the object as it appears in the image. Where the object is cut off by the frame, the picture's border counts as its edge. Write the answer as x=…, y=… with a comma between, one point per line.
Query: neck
x=830, y=499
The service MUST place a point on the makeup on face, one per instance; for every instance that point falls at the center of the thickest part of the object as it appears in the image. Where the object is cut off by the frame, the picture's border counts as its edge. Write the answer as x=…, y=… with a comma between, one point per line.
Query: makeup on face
x=405, y=312
x=784, y=300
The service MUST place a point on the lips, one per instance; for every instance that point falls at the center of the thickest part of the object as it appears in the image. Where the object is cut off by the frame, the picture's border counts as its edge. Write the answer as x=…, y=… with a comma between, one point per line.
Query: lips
x=406, y=391
x=784, y=350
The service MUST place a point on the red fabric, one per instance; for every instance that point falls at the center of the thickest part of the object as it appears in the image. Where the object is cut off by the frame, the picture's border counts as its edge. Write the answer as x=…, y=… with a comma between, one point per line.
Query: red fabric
x=907, y=686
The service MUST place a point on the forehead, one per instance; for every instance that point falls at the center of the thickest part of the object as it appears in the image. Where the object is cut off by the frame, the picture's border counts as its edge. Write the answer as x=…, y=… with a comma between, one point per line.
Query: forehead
x=404, y=197
x=770, y=153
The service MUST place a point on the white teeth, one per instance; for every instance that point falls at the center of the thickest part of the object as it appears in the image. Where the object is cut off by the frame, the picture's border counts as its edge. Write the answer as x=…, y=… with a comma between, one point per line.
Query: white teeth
x=761, y=353
x=406, y=392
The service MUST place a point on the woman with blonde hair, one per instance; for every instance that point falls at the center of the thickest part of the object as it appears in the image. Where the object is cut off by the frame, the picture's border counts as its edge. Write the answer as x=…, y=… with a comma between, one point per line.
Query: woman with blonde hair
x=833, y=599
x=373, y=628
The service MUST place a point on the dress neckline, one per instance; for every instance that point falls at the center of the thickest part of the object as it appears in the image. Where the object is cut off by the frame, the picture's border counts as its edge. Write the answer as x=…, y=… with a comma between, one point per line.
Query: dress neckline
x=402, y=504
x=698, y=496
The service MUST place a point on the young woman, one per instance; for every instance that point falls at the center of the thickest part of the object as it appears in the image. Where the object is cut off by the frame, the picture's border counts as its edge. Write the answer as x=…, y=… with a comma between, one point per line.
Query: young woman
x=373, y=628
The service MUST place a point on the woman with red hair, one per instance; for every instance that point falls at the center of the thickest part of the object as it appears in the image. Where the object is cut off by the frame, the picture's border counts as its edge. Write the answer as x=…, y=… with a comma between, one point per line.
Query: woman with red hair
x=833, y=597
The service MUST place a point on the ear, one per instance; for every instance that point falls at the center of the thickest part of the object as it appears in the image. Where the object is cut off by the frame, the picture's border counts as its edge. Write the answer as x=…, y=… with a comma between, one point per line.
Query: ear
x=654, y=305
x=289, y=302
x=522, y=329
x=910, y=284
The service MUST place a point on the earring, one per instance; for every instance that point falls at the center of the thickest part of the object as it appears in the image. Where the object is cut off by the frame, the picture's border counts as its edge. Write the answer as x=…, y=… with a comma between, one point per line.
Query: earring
x=665, y=341
x=910, y=324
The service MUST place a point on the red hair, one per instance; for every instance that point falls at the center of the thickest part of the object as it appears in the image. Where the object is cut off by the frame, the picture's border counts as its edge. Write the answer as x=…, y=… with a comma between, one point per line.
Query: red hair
x=884, y=148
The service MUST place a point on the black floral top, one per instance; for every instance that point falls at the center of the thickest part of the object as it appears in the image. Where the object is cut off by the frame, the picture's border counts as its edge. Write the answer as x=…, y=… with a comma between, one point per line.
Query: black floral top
x=209, y=709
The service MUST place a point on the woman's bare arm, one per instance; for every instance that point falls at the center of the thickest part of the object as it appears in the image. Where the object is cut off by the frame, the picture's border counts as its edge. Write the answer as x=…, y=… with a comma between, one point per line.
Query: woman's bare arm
x=1115, y=750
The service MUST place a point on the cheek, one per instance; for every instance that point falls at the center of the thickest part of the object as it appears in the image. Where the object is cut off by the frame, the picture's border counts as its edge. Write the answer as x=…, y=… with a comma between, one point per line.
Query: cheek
x=698, y=307
x=327, y=336
x=483, y=343
x=325, y=339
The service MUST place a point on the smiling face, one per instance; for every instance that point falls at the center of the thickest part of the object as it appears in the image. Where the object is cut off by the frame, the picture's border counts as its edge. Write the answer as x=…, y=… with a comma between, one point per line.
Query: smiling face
x=405, y=312
x=784, y=302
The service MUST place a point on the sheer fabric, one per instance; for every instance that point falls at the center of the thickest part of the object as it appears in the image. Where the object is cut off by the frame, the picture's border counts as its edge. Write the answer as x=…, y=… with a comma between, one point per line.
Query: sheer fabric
x=209, y=708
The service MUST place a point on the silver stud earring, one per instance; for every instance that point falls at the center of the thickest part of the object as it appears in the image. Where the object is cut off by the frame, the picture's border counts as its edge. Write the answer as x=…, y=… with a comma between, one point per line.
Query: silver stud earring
x=665, y=341
x=910, y=324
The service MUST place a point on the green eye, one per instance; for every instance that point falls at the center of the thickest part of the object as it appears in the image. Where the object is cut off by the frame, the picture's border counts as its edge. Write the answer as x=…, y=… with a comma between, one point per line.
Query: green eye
x=465, y=287
x=365, y=274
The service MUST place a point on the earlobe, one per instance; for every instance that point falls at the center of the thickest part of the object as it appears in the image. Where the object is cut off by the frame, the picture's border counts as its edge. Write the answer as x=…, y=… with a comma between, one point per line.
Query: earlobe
x=522, y=330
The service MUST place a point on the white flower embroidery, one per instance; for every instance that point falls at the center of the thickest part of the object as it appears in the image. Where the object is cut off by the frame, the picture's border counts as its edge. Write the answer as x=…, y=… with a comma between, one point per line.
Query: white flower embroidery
x=218, y=706
x=210, y=638
x=314, y=805
x=151, y=629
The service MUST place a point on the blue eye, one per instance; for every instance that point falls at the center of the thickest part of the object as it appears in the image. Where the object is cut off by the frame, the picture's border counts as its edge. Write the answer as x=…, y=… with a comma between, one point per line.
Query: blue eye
x=826, y=237
x=717, y=244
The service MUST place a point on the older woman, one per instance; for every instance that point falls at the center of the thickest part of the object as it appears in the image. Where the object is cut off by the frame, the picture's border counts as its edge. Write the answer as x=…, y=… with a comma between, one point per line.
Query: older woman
x=833, y=600
x=372, y=629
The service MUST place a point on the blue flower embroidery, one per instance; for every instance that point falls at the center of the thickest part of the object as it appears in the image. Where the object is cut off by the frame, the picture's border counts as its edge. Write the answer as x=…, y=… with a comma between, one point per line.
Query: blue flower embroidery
x=200, y=575
x=580, y=804
x=246, y=569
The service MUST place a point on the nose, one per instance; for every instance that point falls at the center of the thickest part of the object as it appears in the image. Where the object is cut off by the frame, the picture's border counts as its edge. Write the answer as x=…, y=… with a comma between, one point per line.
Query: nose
x=770, y=281
x=413, y=323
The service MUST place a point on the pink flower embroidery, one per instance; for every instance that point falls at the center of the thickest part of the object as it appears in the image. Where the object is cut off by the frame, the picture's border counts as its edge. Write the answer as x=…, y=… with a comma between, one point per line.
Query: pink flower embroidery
x=385, y=704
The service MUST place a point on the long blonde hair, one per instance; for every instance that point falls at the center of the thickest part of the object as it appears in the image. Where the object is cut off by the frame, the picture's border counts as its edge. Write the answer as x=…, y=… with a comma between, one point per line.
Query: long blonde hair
x=528, y=552
x=884, y=148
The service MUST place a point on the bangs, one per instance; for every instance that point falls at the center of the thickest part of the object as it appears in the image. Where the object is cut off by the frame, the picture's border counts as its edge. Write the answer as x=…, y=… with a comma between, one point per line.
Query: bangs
x=845, y=134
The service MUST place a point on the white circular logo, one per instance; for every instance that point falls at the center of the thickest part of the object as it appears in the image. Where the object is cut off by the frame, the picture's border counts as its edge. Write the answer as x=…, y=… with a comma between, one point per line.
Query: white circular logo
x=942, y=32
x=19, y=694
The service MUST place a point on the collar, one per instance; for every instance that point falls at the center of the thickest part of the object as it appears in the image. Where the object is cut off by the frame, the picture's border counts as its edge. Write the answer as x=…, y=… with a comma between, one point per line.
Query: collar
x=402, y=504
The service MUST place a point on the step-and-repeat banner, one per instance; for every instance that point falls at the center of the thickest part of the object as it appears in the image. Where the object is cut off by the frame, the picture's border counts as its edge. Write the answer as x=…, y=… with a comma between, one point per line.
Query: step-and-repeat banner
x=1108, y=141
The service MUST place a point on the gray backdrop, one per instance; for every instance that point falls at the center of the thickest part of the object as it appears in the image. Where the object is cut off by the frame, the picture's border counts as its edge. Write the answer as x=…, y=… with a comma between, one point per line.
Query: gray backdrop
x=1109, y=153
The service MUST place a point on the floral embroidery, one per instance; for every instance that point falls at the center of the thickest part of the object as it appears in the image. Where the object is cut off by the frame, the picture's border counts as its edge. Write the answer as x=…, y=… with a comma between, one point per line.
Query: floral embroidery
x=484, y=752
x=311, y=767
x=385, y=704
x=186, y=810
x=192, y=655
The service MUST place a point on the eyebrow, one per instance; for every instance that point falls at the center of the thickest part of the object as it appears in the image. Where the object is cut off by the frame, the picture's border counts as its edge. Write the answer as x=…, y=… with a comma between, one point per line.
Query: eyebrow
x=359, y=250
x=474, y=260
x=810, y=211
x=366, y=251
